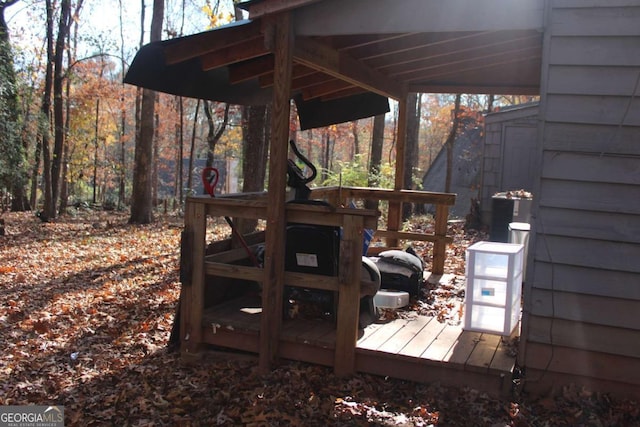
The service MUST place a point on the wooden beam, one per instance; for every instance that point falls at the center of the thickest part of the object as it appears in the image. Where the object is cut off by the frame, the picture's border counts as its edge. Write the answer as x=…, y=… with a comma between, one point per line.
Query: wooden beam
x=498, y=89
x=349, y=295
x=200, y=44
x=440, y=246
x=353, y=90
x=408, y=196
x=324, y=89
x=192, y=294
x=248, y=49
x=356, y=41
x=299, y=72
x=272, y=291
x=446, y=54
x=380, y=17
x=323, y=57
x=250, y=69
x=495, y=61
x=257, y=9
x=412, y=42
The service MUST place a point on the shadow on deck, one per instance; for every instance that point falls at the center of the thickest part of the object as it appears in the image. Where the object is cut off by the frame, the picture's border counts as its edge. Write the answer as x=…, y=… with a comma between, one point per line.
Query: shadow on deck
x=414, y=347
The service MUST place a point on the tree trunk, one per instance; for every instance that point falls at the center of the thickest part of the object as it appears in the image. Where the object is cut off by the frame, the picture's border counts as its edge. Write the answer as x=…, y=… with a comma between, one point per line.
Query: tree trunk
x=411, y=147
x=254, y=149
x=177, y=194
x=58, y=104
x=490, y=102
x=154, y=160
x=356, y=142
x=192, y=149
x=325, y=157
x=94, y=199
x=123, y=119
x=142, y=203
x=451, y=139
x=254, y=155
x=377, y=141
x=49, y=205
x=13, y=173
x=214, y=135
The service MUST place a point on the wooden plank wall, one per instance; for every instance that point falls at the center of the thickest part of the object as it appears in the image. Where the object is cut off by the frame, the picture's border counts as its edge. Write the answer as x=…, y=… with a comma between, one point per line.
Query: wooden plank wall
x=581, y=316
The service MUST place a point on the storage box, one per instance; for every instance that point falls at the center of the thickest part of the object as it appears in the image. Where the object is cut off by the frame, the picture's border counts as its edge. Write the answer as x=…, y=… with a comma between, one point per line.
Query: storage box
x=494, y=287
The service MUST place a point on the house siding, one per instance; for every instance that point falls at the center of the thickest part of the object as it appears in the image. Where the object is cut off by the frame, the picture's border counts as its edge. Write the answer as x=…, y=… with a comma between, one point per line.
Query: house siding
x=581, y=320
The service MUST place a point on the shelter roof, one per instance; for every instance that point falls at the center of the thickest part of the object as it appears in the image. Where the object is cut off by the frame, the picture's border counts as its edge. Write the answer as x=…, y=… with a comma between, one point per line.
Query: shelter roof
x=350, y=56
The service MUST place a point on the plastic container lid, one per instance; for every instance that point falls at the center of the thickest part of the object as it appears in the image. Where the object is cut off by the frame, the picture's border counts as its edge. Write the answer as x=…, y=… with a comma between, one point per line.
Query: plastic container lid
x=386, y=298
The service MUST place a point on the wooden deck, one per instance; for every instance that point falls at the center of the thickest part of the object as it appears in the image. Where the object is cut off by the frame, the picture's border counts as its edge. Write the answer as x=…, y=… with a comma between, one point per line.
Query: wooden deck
x=415, y=347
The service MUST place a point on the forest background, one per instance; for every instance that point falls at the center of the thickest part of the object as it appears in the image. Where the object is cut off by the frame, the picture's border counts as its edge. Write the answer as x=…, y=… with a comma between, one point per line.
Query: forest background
x=72, y=133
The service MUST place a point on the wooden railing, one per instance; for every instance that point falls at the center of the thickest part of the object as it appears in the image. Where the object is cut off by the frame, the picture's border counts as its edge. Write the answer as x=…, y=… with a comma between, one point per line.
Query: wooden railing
x=340, y=196
x=223, y=262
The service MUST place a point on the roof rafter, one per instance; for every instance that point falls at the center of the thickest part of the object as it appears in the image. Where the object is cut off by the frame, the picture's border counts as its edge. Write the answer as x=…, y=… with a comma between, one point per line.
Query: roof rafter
x=430, y=57
x=490, y=61
x=200, y=44
x=248, y=49
x=325, y=89
x=323, y=57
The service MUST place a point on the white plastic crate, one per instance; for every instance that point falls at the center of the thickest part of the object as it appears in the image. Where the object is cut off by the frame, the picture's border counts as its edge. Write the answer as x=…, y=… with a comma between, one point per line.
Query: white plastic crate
x=494, y=287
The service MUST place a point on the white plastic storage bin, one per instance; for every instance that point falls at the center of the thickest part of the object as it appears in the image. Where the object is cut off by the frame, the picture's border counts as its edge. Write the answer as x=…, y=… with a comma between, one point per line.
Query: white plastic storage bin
x=494, y=287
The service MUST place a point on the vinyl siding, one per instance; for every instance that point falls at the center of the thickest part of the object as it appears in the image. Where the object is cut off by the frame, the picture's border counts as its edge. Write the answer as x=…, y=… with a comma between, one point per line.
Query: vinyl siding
x=581, y=317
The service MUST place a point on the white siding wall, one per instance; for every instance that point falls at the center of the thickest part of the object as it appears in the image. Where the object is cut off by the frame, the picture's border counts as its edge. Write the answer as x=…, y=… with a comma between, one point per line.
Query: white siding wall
x=582, y=305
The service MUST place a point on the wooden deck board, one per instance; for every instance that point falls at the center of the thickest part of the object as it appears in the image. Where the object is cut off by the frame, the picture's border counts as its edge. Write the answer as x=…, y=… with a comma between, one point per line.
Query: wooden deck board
x=423, y=339
x=483, y=353
x=503, y=360
x=399, y=340
x=418, y=344
x=463, y=348
x=383, y=335
x=439, y=348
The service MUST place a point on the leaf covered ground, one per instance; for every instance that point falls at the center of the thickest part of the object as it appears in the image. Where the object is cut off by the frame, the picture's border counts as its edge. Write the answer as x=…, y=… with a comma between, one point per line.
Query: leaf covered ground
x=87, y=305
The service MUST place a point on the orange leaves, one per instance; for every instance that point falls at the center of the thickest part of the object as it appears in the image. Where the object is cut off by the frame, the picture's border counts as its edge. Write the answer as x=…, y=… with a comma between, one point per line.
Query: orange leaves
x=89, y=328
x=7, y=269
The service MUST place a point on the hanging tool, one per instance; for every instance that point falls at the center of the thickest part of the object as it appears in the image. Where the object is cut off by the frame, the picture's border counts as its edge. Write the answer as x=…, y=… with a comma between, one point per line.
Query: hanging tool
x=295, y=176
x=210, y=176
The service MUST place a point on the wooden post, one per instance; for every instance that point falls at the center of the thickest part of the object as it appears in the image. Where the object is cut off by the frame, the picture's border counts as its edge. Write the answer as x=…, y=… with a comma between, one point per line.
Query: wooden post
x=394, y=218
x=440, y=245
x=192, y=295
x=349, y=295
x=272, y=291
